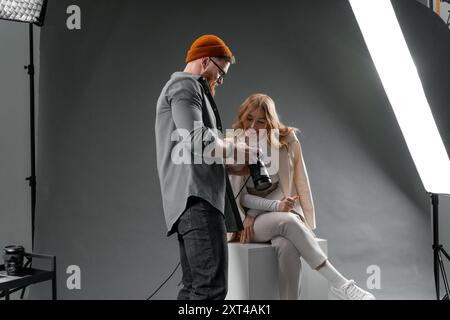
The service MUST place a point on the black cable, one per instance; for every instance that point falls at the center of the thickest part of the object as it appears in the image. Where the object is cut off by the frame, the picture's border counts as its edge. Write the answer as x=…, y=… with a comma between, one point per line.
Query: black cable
x=164, y=281
x=245, y=183
x=170, y=276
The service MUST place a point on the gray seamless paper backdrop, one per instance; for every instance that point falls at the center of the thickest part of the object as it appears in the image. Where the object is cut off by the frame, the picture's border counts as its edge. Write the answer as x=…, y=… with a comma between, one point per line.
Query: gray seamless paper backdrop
x=99, y=204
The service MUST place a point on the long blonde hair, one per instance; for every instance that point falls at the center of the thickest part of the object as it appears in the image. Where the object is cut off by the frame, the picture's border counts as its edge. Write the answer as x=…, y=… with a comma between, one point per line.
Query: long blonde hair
x=263, y=101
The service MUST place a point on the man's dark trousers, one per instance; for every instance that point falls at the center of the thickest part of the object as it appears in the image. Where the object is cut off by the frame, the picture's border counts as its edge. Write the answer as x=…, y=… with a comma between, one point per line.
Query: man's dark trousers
x=203, y=252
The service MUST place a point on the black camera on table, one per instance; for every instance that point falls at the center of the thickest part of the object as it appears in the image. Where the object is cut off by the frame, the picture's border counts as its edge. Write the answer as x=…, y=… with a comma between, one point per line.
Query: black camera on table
x=13, y=257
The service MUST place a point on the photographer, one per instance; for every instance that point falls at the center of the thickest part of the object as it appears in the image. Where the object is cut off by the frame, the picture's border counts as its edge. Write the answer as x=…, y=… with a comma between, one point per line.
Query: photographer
x=197, y=197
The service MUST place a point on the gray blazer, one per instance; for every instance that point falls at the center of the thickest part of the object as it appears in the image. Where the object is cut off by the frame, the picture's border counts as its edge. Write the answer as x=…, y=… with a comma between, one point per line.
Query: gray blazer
x=182, y=101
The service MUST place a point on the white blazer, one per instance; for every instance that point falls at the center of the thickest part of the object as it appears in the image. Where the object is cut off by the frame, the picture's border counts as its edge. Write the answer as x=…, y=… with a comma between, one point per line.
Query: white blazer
x=293, y=181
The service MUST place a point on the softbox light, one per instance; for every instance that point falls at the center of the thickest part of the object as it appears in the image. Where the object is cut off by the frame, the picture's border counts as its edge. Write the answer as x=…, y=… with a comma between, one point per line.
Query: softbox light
x=29, y=11
x=400, y=79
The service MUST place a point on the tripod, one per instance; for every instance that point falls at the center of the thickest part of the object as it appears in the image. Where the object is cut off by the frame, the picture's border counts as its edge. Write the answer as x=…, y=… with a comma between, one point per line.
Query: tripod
x=438, y=250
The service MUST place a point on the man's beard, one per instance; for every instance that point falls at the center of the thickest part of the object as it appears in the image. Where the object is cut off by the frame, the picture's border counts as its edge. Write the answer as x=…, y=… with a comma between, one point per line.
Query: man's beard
x=212, y=84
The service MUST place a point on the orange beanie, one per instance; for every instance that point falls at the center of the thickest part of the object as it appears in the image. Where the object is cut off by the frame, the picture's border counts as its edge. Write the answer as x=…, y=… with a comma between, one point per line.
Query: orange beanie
x=209, y=46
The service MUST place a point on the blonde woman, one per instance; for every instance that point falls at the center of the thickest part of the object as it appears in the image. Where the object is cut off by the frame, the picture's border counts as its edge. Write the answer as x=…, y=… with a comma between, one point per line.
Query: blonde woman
x=283, y=214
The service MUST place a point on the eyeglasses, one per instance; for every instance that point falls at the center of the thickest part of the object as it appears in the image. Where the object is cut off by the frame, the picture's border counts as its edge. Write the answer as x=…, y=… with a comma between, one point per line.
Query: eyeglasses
x=222, y=73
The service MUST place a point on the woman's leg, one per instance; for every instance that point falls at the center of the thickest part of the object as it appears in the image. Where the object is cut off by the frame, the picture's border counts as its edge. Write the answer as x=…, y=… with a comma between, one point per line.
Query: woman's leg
x=289, y=268
x=289, y=225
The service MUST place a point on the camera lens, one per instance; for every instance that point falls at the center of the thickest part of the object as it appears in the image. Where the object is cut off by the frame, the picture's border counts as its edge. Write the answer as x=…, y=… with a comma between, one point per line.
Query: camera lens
x=260, y=176
x=13, y=257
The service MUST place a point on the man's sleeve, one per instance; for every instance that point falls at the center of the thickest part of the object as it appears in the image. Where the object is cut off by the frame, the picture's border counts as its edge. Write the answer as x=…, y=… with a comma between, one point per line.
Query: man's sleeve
x=185, y=98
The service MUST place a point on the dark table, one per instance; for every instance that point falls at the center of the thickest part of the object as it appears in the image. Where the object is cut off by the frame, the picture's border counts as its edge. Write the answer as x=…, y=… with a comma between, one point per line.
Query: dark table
x=10, y=284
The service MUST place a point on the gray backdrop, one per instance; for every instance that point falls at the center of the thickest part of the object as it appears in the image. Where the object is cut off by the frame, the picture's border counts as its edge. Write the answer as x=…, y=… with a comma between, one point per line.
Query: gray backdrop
x=99, y=204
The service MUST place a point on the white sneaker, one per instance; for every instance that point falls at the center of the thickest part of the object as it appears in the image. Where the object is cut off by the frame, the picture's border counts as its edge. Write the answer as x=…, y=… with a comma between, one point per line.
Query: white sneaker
x=350, y=291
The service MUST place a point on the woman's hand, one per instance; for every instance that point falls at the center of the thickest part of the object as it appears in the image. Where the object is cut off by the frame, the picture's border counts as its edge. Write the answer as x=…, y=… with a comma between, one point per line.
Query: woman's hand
x=247, y=233
x=287, y=203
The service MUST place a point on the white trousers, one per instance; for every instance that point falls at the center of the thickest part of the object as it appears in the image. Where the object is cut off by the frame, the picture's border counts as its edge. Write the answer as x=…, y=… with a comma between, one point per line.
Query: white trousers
x=291, y=239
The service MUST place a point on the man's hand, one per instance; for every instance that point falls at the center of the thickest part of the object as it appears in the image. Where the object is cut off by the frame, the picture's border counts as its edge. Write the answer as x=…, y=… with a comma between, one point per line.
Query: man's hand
x=287, y=203
x=247, y=233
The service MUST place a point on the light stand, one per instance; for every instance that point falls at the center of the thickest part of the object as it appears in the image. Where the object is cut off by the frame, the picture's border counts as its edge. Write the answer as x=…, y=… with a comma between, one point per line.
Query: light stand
x=438, y=250
x=31, y=12
x=32, y=179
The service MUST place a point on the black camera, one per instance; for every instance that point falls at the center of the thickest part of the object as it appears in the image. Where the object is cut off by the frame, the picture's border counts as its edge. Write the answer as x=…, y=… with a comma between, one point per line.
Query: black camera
x=13, y=257
x=260, y=176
